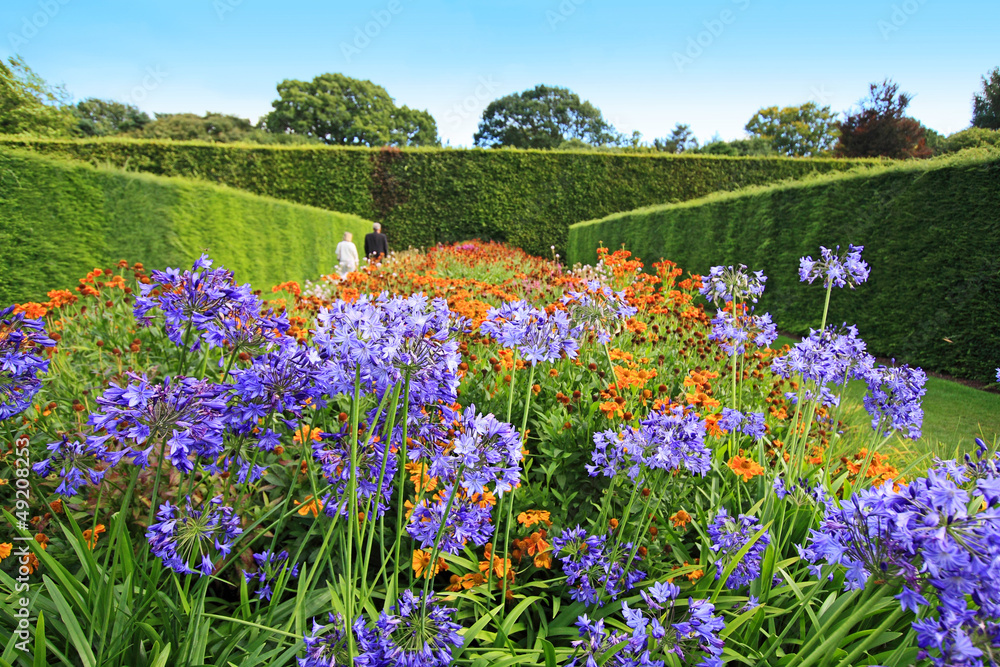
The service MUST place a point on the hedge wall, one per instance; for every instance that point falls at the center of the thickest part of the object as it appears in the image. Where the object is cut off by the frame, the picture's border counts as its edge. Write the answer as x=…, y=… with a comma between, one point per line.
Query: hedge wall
x=59, y=220
x=930, y=230
x=425, y=196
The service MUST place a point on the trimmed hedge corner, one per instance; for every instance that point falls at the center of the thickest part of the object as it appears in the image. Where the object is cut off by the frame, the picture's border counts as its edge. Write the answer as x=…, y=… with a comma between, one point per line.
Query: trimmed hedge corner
x=59, y=220
x=931, y=230
x=427, y=196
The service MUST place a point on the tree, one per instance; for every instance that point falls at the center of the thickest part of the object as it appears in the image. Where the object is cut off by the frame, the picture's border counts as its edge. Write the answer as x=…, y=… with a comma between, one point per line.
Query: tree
x=101, y=118
x=337, y=109
x=681, y=139
x=192, y=127
x=29, y=105
x=543, y=117
x=881, y=128
x=802, y=131
x=756, y=146
x=986, y=107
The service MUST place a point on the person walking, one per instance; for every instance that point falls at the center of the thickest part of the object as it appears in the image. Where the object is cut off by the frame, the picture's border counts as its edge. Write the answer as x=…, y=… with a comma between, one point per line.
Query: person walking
x=347, y=255
x=376, y=244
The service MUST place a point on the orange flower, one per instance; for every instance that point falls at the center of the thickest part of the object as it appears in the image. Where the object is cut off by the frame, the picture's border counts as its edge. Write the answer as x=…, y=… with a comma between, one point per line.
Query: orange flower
x=531, y=517
x=422, y=562
x=466, y=581
x=304, y=433
x=91, y=536
x=33, y=563
x=418, y=475
x=5, y=550
x=310, y=505
x=680, y=519
x=746, y=468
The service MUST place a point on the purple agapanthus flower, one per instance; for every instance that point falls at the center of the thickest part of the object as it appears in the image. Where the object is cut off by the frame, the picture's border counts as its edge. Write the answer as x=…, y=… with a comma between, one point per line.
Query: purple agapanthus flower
x=327, y=645
x=593, y=568
x=20, y=340
x=658, y=632
x=466, y=521
x=732, y=283
x=538, y=336
x=729, y=535
x=595, y=642
x=376, y=466
x=751, y=423
x=847, y=270
x=190, y=540
x=598, y=309
x=271, y=568
x=827, y=356
x=665, y=440
x=417, y=632
x=734, y=333
x=938, y=539
x=188, y=414
x=894, y=399
x=77, y=463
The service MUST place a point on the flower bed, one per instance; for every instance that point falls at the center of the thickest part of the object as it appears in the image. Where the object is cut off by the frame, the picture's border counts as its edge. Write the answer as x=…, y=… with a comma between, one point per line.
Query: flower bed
x=471, y=456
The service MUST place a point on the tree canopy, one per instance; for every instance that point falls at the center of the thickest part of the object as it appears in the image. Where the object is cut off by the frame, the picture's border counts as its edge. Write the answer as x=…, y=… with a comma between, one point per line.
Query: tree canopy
x=798, y=131
x=28, y=105
x=881, y=128
x=102, y=118
x=543, y=117
x=337, y=109
x=681, y=139
x=986, y=106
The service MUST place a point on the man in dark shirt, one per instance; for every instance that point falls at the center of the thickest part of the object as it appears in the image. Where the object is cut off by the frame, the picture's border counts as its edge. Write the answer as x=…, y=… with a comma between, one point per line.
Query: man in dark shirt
x=376, y=245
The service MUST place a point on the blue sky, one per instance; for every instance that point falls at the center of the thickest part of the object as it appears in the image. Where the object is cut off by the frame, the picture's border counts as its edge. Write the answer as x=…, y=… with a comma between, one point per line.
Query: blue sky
x=646, y=65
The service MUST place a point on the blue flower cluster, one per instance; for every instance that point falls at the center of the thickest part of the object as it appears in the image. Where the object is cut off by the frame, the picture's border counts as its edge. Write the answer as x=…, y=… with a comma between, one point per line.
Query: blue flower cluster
x=592, y=567
x=210, y=303
x=894, y=398
x=19, y=365
x=847, y=270
x=666, y=440
x=827, y=356
x=270, y=567
x=751, y=423
x=729, y=535
x=599, y=309
x=386, y=340
x=732, y=283
x=414, y=632
x=186, y=540
x=374, y=464
x=656, y=635
x=487, y=450
x=734, y=332
x=538, y=336
x=939, y=538
x=466, y=521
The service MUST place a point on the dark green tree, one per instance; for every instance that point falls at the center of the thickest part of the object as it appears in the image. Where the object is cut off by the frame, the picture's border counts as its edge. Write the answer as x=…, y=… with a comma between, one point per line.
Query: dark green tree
x=29, y=105
x=681, y=139
x=543, y=117
x=881, y=128
x=192, y=127
x=797, y=131
x=756, y=146
x=337, y=109
x=102, y=118
x=986, y=107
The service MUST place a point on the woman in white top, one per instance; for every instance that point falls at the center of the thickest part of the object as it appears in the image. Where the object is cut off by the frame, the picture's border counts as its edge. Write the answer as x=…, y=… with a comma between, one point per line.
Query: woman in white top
x=347, y=255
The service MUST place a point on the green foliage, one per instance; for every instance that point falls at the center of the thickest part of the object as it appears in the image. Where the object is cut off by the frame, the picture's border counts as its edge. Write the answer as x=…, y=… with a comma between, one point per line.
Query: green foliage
x=754, y=147
x=986, y=106
x=102, y=118
x=59, y=220
x=930, y=231
x=29, y=105
x=337, y=109
x=681, y=139
x=543, y=117
x=423, y=197
x=802, y=131
x=973, y=137
x=881, y=128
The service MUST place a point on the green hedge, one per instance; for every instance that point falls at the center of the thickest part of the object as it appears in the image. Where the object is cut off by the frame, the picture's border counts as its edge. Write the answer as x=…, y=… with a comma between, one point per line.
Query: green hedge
x=59, y=220
x=426, y=196
x=930, y=229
